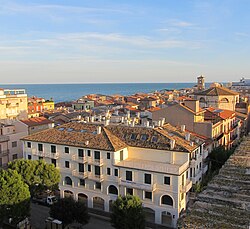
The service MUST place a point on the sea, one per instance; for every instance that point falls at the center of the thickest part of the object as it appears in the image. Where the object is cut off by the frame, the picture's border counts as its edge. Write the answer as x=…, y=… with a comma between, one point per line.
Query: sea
x=69, y=92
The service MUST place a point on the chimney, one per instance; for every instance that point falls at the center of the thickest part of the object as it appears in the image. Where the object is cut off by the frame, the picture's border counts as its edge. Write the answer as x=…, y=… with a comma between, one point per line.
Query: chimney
x=162, y=121
x=147, y=123
x=192, y=143
x=128, y=114
x=107, y=121
x=87, y=118
x=172, y=144
x=133, y=123
x=187, y=136
x=99, y=130
x=107, y=113
x=122, y=119
x=183, y=127
x=138, y=114
x=92, y=119
x=87, y=143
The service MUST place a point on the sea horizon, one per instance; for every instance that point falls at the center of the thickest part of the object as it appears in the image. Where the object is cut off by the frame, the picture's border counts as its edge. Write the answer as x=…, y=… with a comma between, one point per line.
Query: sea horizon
x=63, y=92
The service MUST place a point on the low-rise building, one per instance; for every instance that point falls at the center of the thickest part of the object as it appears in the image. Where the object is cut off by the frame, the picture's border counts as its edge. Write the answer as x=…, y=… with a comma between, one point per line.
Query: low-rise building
x=97, y=163
x=84, y=104
x=10, y=144
x=13, y=104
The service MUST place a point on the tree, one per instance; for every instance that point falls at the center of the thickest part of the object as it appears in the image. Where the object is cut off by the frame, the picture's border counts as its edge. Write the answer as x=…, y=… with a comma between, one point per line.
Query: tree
x=36, y=173
x=128, y=213
x=68, y=211
x=14, y=196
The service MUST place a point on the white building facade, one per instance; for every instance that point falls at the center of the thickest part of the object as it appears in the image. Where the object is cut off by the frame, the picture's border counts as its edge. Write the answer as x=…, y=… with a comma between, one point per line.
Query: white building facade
x=98, y=163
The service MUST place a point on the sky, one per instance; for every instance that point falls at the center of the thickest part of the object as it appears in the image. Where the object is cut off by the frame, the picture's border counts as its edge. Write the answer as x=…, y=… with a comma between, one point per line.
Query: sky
x=85, y=41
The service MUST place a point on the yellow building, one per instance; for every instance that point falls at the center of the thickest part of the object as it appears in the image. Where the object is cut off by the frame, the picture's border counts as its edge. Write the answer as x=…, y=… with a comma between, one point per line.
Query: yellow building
x=218, y=97
x=48, y=105
x=13, y=104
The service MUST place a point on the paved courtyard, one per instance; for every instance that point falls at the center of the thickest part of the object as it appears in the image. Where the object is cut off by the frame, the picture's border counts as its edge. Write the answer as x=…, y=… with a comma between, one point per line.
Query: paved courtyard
x=40, y=213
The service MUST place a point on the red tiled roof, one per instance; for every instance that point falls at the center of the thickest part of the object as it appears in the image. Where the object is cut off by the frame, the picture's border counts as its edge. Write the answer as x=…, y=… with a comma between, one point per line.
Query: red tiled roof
x=37, y=121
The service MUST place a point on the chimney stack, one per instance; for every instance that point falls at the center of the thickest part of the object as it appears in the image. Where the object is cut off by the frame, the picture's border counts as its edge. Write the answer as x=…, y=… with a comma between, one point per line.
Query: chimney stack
x=107, y=121
x=99, y=130
x=172, y=144
x=183, y=128
x=187, y=136
x=87, y=143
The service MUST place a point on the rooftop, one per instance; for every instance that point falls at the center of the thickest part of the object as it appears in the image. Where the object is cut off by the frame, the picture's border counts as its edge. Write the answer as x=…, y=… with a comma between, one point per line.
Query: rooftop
x=217, y=91
x=36, y=121
x=225, y=203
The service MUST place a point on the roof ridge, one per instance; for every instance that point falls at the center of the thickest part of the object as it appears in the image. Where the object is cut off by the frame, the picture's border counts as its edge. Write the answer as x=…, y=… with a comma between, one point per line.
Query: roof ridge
x=113, y=144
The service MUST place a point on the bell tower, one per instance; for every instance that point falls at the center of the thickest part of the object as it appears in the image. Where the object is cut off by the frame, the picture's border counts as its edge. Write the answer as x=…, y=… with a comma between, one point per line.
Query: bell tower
x=201, y=83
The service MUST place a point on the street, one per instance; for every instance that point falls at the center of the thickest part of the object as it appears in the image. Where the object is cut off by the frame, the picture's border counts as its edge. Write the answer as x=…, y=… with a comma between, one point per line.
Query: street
x=40, y=213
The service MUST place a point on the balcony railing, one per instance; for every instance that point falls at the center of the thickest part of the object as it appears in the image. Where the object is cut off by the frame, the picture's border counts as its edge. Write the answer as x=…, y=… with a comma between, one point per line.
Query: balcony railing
x=187, y=187
x=95, y=177
x=78, y=174
x=79, y=159
x=46, y=154
x=137, y=185
x=95, y=161
x=4, y=153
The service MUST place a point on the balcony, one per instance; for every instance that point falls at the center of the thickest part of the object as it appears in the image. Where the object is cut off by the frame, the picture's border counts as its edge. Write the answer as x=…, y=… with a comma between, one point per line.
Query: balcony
x=79, y=159
x=187, y=187
x=95, y=177
x=4, y=138
x=136, y=185
x=197, y=177
x=46, y=154
x=4, y=153
x=81, y=175
x=204, y=168
x=192, y=163
x=154, y=166
x=234, y=126
x=92, y=161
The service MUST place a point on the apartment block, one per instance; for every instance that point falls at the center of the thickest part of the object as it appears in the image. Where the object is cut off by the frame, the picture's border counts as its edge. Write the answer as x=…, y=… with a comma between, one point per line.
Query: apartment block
x=10, y=144
x=13, y=104
x=99, y=162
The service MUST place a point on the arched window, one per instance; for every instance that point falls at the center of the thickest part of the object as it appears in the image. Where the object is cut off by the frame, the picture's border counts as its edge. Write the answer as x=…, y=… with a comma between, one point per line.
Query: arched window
x=113, y=190
x=224, y=100
x=68, y=181
x=167, y=200
x=202, y=100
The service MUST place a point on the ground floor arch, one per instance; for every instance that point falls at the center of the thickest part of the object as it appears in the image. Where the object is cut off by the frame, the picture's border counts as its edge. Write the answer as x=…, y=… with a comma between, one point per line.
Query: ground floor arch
x=83, y=198
x=166, y=218
x=149, y=214
x=68, y=194
x=98, y=203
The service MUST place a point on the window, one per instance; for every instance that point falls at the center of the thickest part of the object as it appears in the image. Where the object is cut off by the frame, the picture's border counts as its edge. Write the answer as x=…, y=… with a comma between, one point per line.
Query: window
x=108, y=155
x=98, y=185
x=81, y=167
x=53, y=161
x=53, y=149
x=66, y=149
x=116, y=172
x=108, y=171
x=82, y=182
x=133, y=136
x=40, y=147
x=89, y=168
x=40, y=158
x=89, y=153
x=187, y=175
x=14, y=144
x=154, y=139
x=191, y=174
x=14, y=156
x=167, y=180
x=129, y=175
x=97, y=170
x=68, y=181
x=130, y=191
x=29, y=144
x=113, y=190
x=66, y=164
x=144, y=137
x=167, y=200
x=148, y=195
x=80, y=153
x=29, y=157
x=97, y=155
x=147, y=178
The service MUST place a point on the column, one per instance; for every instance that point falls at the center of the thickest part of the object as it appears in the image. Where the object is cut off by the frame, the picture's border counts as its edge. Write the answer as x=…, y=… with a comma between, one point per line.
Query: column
x=158, y=216
x=106, y=205
x=90, y=202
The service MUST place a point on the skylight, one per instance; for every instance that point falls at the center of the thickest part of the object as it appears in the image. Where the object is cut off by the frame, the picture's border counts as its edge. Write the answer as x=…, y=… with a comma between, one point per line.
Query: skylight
x=154, y=139
x=70, y=129
x=61, y=128
x=144, y=137
x=133, y=136
x=83, y=131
